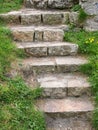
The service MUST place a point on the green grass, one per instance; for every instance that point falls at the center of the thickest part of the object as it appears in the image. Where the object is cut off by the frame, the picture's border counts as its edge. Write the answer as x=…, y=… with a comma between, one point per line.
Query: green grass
x=9, y=5
x=17, y=110
x=88, y=45
x=16, y=99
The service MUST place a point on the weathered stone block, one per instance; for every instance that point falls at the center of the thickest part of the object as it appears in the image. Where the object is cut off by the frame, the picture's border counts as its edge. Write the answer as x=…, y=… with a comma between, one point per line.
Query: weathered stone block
x=23, y=36
x=38, y=52
x=53, y=35
x=31, y=19
x=59, y=50
x=60, y=4
x=52, y=18
x=54, y=4
x=43, y=69
x=38, y=35
x=90, y=6
x=73, y=18
x=66, y=17
x=91, y=25
x=10, y=18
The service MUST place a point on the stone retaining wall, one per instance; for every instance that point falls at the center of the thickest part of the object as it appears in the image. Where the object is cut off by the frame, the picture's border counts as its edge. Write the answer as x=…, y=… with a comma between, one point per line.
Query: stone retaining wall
x=91, y=8
x=53, y=4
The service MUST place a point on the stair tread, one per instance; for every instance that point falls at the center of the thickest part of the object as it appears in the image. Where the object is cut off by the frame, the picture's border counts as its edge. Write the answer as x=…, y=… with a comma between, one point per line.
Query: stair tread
x=43, y=44
x=67, y=105
x=68, y=80
x=77, y=60
x=28, y=11
x=40, y=27
x=68, y=124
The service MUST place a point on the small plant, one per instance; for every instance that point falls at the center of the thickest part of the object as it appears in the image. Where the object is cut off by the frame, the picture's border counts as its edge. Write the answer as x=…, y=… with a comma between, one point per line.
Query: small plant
x=76, y=7
x=82, y=16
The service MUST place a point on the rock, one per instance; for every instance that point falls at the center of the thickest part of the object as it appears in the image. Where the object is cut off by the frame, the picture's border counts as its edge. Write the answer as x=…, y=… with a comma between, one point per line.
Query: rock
x=73, y=18
x=53, y=35
x=60, y=4
x=53, y=18
x=54, y=4
x=91, y=24
x=90, y=6
x=23, y=36
x=38, y=35
x=30, y=19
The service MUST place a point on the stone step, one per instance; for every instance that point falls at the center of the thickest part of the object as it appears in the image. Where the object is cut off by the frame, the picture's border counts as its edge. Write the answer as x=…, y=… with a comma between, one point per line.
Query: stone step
x=52, y=4
x=39, y=17
x=38, y=33
x=64, y=108
x=33, y=16
x=72, y=123
x=52, y=64
x=64, y=85
x=39, y=49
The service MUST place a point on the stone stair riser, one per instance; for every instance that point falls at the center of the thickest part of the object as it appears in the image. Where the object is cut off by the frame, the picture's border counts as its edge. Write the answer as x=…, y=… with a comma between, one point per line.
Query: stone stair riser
x=51, y=51
x=38, y=35
x=59, y=93
x=86, y=115
x=40, y=69
x=37, y=19
x=40, y=18
x=52, y=4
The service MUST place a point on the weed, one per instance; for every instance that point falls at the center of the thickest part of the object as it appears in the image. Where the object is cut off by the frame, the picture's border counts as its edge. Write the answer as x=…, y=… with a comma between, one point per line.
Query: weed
x=76, y=7
x=82, y=16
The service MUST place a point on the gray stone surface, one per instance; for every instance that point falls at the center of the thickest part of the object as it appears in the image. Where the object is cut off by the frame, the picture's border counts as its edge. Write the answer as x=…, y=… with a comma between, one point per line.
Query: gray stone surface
x=53, y=35
x=54, y=4
x=59, y=4
x=12, y=17
x=72, y=64
x=91, y=24
x=36, y=17
x=42, y=33
x=73, y=18
x=23, y=35
x=53, y=64
x=90, y=6
x=72, y=123
x=68, y=107
x=27, y=19
x=52, y=18
x=63, y=85
x=38, y=36
x=48, y=49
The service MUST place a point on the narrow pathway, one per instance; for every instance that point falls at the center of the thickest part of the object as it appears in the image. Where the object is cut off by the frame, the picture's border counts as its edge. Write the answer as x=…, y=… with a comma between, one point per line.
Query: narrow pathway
x=66, y=92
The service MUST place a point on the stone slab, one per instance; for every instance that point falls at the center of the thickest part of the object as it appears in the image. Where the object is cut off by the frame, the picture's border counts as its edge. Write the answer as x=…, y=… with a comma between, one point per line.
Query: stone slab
x=63, y=85
x=36, y=17
x=52, y=4
x=49, y=49
x=72, y=63
x=37, y=33
x=72, y=123
x=53, y=64
x=66, y=107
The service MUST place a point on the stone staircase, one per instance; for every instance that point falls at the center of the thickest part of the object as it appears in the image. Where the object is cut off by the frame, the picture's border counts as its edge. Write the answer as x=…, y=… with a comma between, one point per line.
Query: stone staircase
x=66, y=98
